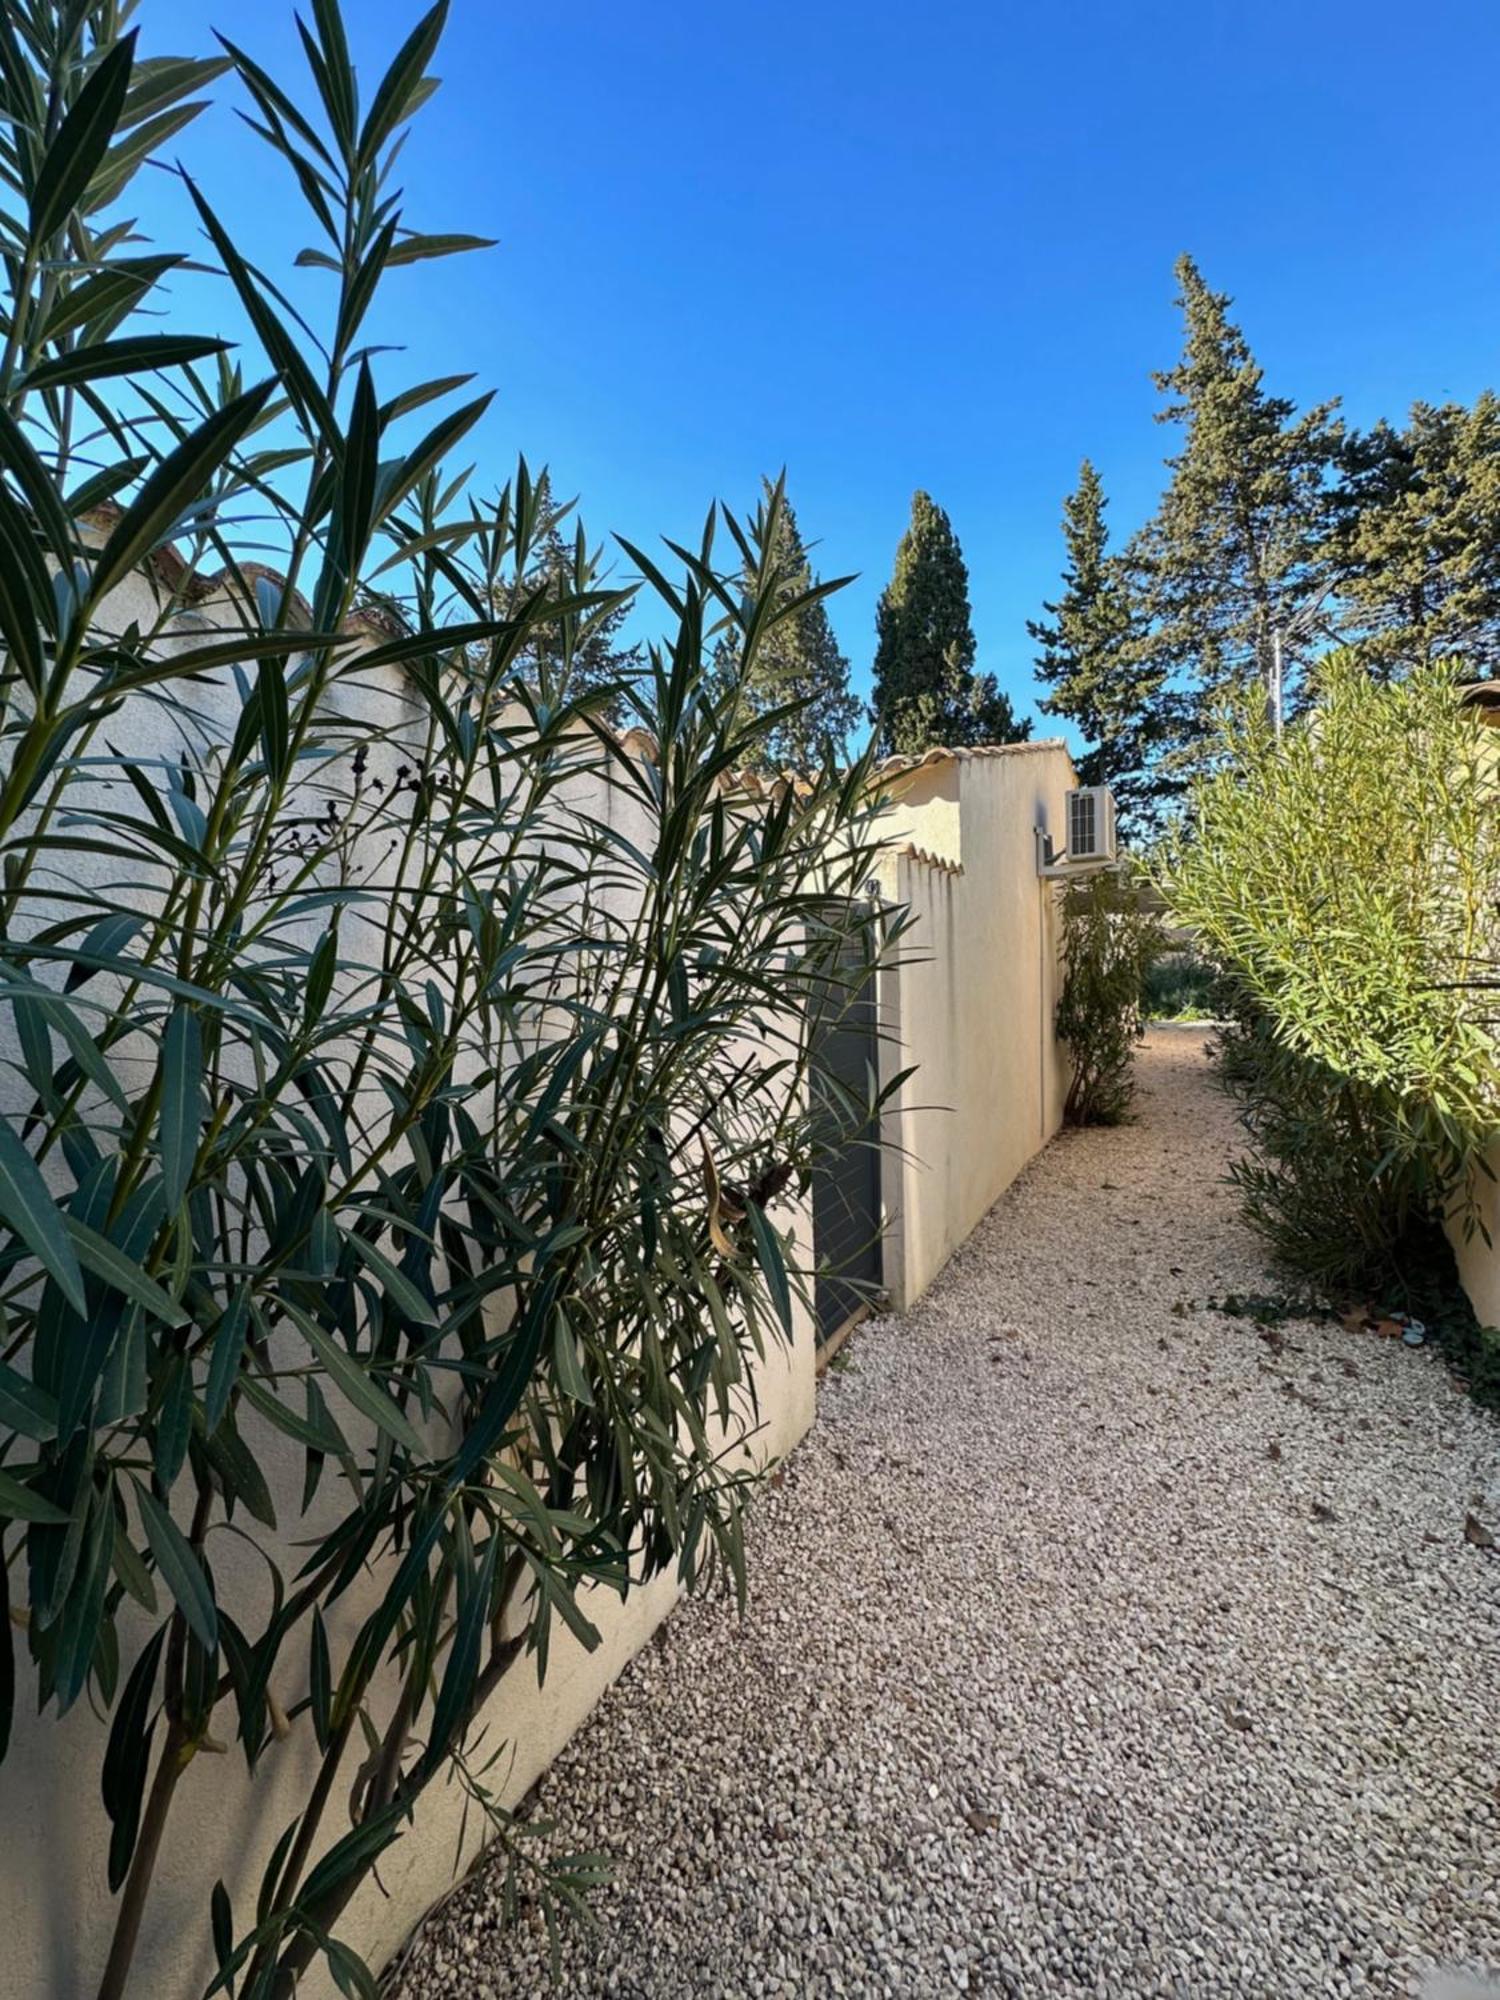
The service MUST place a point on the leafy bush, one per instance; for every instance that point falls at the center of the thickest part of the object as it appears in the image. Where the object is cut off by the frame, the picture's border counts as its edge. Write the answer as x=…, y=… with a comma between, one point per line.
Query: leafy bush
x=1109, y=940
x=1345, y=879
x=403, y=1074
x=1179, y=987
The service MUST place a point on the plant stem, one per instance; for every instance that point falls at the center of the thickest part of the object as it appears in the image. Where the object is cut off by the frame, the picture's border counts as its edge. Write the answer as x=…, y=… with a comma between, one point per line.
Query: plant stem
x=175, y=1757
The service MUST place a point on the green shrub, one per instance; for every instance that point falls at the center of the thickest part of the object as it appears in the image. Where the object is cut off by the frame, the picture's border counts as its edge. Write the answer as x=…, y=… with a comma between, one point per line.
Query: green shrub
x=1345, y=881
x=401, y=1067
x=1109, y=940
x=1179, y=987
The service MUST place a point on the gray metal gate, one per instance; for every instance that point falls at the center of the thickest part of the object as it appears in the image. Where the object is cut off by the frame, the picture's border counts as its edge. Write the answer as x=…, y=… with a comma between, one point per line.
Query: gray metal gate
x=846, y=1185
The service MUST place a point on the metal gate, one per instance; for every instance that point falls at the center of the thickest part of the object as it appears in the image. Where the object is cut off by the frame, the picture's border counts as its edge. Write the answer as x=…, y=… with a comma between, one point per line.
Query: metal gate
x=846, y=1185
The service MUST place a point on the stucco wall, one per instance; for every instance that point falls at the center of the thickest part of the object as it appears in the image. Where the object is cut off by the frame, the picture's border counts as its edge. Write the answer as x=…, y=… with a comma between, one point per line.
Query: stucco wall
x=1478, y=1260
x=56, y=1911
x=973, y=1002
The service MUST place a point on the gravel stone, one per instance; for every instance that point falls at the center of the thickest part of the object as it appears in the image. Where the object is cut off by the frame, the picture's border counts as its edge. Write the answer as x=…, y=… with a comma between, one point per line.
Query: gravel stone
x=1098, y=1646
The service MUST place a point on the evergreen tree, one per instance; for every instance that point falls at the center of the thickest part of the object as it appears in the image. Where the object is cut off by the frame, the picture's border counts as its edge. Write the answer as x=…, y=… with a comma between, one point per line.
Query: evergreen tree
x=1091, y=658
x=1235, y=563
x=1418, y=538
x=926, y=689
x=799, y=659
x=584, y=648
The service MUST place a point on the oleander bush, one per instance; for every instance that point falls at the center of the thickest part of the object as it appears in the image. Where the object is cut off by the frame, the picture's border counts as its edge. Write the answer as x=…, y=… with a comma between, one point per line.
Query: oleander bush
x=1110, y=939
x=1345, y=880
x=405, y=1072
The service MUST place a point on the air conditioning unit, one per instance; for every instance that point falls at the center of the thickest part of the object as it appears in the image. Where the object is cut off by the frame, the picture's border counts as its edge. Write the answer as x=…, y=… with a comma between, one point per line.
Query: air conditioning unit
x=1091, y=824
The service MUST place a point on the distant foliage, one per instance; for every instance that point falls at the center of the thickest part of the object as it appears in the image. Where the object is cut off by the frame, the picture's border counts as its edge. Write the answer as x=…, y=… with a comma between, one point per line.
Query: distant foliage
x=1416, y=547
x=1280, y=534
x=1345, y=882
x=927, y=690
x=1092, y=660
x=1109, y=941
x=374, y=1096
x=797, y=677
x=1181, y=987
x=573, y=648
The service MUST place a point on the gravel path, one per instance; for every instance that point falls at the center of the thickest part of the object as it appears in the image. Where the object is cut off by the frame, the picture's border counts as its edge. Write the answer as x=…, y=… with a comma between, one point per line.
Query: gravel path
x=1098, y=1646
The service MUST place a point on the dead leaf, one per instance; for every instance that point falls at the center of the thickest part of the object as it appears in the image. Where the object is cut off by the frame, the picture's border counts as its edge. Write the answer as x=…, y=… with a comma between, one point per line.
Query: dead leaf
x=716, y=1208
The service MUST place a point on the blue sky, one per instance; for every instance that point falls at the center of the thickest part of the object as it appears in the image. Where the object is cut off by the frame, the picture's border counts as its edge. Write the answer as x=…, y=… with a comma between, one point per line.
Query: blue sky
x=892, y=247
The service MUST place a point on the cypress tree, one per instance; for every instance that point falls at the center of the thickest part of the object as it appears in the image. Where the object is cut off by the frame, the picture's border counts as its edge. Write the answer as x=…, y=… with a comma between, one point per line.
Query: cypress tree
x=799, y=659
x=1235, y=563
x=1091, y=658
x=926, y=689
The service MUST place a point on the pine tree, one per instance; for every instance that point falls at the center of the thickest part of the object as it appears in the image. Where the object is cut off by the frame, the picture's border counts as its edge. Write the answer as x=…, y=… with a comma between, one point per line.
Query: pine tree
x=926, y=689
x=1418, y=538
x=1235, y=563
x=1091, y=658
x=586, y=649
x=799, y=659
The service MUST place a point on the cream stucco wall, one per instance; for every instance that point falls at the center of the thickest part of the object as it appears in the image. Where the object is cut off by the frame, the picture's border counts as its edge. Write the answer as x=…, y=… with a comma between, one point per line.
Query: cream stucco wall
x=1478, y=1259
x=973, y=1002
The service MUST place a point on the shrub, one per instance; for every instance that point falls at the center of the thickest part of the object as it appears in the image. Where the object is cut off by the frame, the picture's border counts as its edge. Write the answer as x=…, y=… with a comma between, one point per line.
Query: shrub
x=1179, y=987
x=403, y=1070
x=1345, y=880
x=1109, y=940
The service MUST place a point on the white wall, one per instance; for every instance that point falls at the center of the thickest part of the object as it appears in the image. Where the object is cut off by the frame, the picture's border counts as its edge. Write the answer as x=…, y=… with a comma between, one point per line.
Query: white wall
x=974, y=1002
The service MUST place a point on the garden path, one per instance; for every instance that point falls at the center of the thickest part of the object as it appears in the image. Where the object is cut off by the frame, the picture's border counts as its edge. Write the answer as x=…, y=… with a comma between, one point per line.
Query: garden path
x=1100, y=1644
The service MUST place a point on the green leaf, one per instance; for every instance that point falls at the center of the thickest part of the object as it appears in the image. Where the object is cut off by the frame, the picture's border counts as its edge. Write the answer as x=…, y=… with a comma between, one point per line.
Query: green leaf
x=24, y=1408
x=127, y=1757
x=122, y=1273
x=224, y=1361
x=158, y=82
x=415, y=249
x=281, y=349
x=78, y=1626
x=104, y=942
x=81, y=142
x=180, y=480
x=180, y=1568
x=357, y=1385
x=133, y=356
x=320, y=1681
x=768, y=1255
x=397, y=87
x=393, y=1282
x=106, y=294
x=174, y=1424
x=29, y=1210
x=461, y=1669
x=275, y=728
x=181, y=1101
x=19, y=1503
